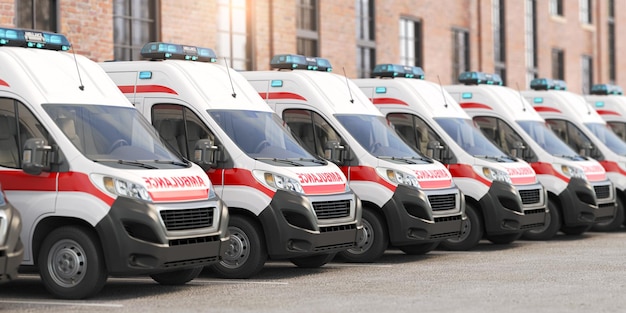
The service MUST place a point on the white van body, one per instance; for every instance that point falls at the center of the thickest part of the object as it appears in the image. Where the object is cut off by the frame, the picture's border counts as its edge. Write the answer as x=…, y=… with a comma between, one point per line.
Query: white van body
x=11, y=247
x=419, y=110
x=94, y=183
x=413, y=219
x=578, y=124
x=307, y=226
x=578, y=188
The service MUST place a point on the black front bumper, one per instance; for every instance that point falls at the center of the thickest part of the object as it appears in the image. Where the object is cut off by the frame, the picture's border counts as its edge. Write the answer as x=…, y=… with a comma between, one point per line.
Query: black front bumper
x=578, y=203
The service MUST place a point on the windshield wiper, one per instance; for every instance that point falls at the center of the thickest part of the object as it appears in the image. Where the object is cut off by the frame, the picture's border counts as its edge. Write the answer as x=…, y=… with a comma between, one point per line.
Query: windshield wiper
x=407, y=160
x=167, y=162
x=498, y=158
x=286, y=161
x=318, y=161
x=126, y=162
x=567, y=156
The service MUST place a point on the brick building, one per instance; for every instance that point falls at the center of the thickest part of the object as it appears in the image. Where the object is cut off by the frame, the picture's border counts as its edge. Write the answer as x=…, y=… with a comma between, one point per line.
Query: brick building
x=575, y=40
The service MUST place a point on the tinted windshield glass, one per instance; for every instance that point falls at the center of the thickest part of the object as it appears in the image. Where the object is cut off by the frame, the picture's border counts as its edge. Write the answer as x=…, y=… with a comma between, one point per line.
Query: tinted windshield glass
x=259, y=134
x=111, y=133
x=374, y=134
x=607, y=137
x=546, y=138
x=470, y=138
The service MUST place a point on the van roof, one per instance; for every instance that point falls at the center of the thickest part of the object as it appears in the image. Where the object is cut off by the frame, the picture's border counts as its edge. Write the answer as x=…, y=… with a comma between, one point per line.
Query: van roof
x=572, y=106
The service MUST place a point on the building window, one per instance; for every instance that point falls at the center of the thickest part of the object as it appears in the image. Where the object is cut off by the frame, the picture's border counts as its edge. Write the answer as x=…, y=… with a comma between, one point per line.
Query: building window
x=366, y=44
x=307, y=35
x=585, y=11
x=37, y=14
x=410, y=42
x=531, y=40
x=556, y=7
x=558, y=63
x=460, y=52
x=499, y=38
x=587, y=73
x=611, y=39
x=134, y=25
x=233, y=29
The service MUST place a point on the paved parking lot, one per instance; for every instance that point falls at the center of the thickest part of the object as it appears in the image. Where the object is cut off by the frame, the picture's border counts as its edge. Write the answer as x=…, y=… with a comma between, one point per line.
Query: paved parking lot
x=580, y=274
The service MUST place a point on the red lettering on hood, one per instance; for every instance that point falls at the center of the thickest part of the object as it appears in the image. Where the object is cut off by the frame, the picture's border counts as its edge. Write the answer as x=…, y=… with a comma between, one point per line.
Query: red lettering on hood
x=317, y=178
x=522, y=175
x=174, y=182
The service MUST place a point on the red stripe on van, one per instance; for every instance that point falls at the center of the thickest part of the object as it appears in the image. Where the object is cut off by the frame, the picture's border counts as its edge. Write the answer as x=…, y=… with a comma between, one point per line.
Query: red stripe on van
x=546, y=109
x=17, y=180
x=147, y=89
x=179, y=195
x=611, y=166
x=523, y=180
x=3, y=83
x=366, y=173
x=607, y=112
x=388, y=101
x=474, y=105
x=324, y=189
x=466, y=171
x=281, y=95
x=547, y=169
x=238, y=177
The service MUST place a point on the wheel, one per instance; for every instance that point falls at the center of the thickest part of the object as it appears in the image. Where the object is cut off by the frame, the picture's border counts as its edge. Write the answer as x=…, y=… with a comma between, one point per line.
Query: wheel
x=246, y=254
x=420, y=248
x=373, y=240
x=616, y=222
x=504, y=239
x=313, y=261
x=550, y=228
x=471, y=235
x=71, y=263
x=118, y=143
x=261, y=145
x=575, y=230
x=179, y=277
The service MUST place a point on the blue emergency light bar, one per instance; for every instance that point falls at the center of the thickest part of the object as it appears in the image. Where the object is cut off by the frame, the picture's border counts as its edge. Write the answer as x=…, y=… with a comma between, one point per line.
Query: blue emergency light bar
x=397, y=70
x=324, y=65
x=606, y=89
x=296, y=61
x=547, y=84
x=163, y=51
x=15, y=37
x=480, y=78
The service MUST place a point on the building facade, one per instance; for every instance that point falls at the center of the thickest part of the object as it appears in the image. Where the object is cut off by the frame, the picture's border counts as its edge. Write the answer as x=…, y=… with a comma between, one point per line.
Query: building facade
x=574, y=40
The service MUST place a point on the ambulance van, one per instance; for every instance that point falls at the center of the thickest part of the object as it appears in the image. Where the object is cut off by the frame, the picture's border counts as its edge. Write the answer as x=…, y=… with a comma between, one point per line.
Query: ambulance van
x=579, y=192
x=409, y=200
x=578, y=124
x=98, y=191
x=610, y=103
x=284, y=202
x=11, y=247
x=502, y=195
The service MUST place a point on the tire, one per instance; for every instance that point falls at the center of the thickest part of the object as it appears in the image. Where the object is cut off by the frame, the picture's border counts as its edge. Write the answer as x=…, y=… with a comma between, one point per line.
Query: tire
x=504, y=239
x=71, y=263
x=179, y=277
x=550, y=229
x=471, y=235
x=420, y=248
x=313, y=261
x=575, y=230
x=247, y=252
x=373, y=242
x=617, y=221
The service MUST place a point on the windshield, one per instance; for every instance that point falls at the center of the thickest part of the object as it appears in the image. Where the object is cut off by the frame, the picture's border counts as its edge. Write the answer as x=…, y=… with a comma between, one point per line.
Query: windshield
x=470, y=138
x=374, y=134
x=261, y=135
x=112, y=134
x=547, y=139
x=607, y=137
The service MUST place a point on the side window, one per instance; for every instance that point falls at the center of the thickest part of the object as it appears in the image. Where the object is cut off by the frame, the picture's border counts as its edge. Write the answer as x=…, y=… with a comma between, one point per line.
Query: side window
x=179, y=127
x=573, y=137
x=17, y=124
x=312, y=130
x=414, y=131
x=500, y=133
x=619, y=129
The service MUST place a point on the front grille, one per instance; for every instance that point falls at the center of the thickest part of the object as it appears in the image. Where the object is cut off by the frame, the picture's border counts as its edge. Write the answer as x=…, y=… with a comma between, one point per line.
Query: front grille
x=339, y=246
x=535, y=211
x=442, y=202
x=602, y=191
x=530, y=196
x=187, y=218
x=448, y=218
x=529, y=226
x=193, y=240
x=327, y=229
x=332, y=209
x=189, y=263
x=446, y=235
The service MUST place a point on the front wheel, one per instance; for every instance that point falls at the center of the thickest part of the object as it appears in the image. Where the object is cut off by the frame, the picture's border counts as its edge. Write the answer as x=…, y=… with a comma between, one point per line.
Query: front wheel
x=246, y=254
x=71, y=263
x=420, y=248
x=179, y=277
x=616, y=222
x=313, y=261
x=372, y=242
x=504, y=239
x=471, y=234
x=551, y=226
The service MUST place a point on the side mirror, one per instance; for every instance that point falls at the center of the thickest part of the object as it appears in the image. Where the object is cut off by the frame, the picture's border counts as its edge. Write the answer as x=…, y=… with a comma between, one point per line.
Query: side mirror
x=205, y=153
x=434, y=150
x=518, y=150
x=35, y=156
x=335, y=152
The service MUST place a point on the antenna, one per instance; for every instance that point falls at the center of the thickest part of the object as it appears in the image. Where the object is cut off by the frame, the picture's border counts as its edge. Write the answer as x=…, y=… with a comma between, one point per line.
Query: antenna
x=347, y=84
x=230, y=79
x=80, y=80
x=521, y=98
x=443, y=94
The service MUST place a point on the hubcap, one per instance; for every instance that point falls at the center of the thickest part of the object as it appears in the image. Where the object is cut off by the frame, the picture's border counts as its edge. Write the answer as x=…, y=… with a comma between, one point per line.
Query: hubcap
x=365, y=240
x=464, y=234
x=238, y=249
x=67, y=263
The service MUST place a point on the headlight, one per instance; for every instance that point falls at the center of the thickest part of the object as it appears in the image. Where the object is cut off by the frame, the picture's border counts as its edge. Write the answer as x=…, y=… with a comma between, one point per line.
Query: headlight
x=573, y=172
x=125, y=188
x=282, y=182
x=398, y=177
x=497, y=175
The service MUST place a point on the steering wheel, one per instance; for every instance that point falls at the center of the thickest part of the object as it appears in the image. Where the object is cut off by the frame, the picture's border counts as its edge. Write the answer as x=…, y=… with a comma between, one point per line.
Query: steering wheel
x=118, y=143
x=261, y=145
